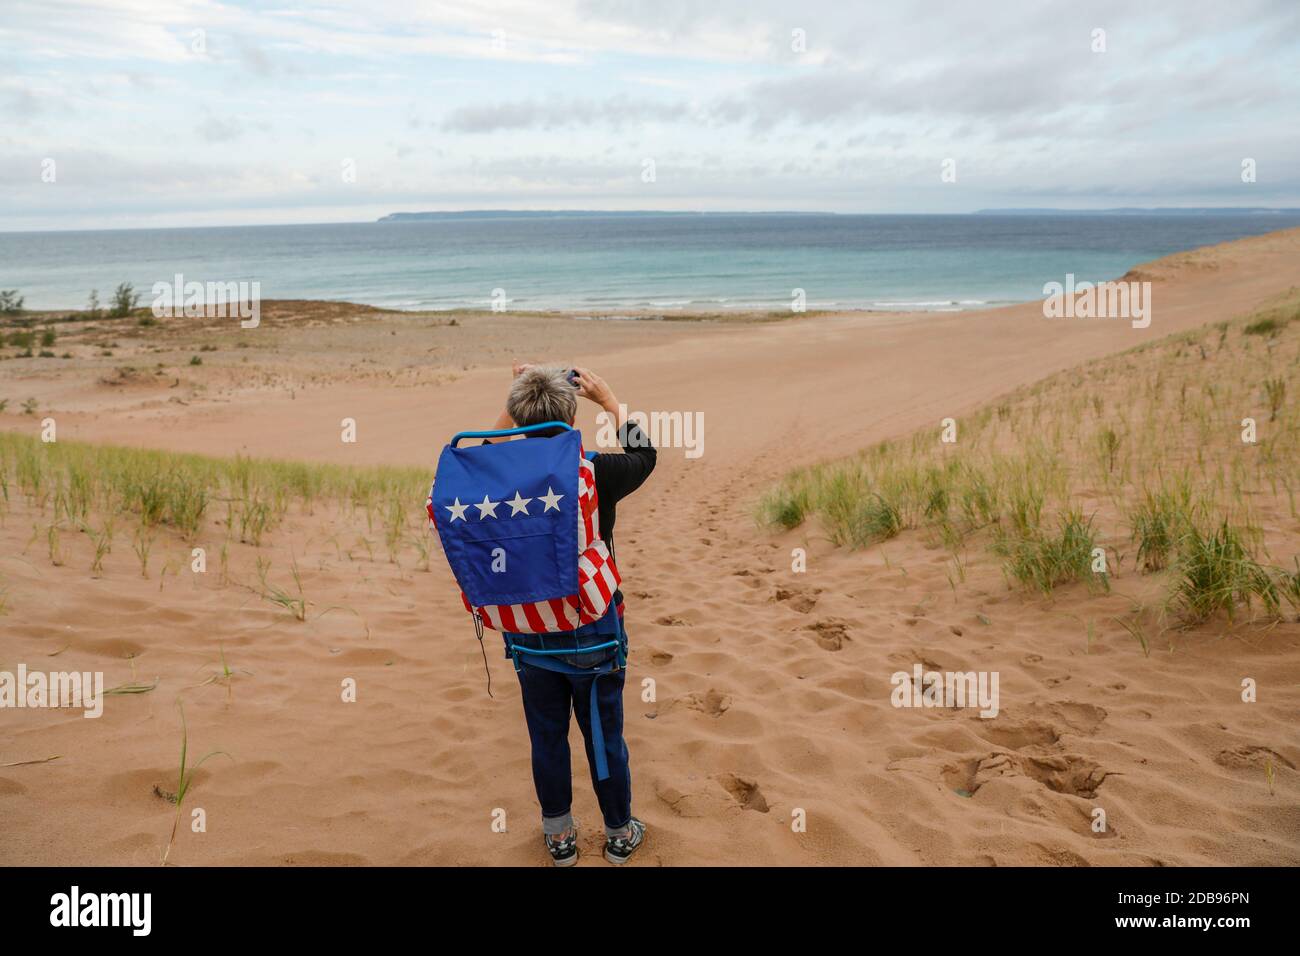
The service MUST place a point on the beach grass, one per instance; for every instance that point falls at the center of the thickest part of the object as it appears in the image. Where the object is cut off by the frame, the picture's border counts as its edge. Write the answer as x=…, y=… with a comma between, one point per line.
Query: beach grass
x=102, y=489
x=1163, y=454
x=185, y=779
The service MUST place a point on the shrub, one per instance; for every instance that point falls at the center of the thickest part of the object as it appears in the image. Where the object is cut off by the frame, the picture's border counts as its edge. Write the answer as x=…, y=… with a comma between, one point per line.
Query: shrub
x=1270, y=326
x=1043, y=561
x=1158, y=523
x=1216, y=573
x=125, y=300
x=858, y=520
x=786, y=506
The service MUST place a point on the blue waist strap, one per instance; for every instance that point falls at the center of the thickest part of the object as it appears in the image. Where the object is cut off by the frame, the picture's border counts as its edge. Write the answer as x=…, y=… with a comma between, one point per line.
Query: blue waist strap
x=545, y=659
x=567, y=650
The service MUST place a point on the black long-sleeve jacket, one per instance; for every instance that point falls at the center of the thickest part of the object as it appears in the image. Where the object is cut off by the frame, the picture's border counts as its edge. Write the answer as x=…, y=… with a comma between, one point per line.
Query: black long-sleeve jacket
x=618, y=475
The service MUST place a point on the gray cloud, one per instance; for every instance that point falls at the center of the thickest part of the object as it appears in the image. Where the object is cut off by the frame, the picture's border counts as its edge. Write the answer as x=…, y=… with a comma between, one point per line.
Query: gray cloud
x=710, y=88
x=215, y=129
x=22, y=104
x=612, y=113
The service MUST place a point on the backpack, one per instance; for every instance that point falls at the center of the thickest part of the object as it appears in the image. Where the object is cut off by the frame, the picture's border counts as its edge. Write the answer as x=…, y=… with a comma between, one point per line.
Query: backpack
x=520, y=527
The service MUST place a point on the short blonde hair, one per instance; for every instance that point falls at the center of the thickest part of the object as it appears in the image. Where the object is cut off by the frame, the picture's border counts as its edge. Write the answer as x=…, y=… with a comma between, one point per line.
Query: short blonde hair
x=542, y=394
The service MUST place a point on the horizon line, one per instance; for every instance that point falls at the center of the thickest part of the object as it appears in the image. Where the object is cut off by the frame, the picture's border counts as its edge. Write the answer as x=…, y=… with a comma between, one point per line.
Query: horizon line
x=435, y=214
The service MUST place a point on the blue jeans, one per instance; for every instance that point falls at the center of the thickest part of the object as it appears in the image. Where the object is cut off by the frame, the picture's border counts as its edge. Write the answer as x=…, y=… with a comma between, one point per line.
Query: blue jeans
x=549, y=698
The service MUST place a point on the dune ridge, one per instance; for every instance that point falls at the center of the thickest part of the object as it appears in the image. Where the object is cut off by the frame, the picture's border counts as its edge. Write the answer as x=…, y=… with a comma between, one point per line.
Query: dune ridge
x=771, y=688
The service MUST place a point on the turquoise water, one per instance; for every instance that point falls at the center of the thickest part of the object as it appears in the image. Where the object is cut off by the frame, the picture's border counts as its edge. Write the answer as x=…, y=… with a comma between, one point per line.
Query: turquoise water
x=663, y=263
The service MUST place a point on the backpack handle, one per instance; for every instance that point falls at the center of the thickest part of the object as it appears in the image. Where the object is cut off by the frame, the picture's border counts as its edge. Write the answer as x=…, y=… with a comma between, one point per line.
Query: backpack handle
x=507, y=432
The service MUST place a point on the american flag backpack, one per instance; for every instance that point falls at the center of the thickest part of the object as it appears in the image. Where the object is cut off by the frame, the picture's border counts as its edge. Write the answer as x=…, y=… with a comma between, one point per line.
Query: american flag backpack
x=528, y=554
x=520, y=528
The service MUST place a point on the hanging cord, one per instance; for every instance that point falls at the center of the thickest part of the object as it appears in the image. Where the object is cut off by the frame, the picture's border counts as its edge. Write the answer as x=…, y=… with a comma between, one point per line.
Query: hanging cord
x=478, y=632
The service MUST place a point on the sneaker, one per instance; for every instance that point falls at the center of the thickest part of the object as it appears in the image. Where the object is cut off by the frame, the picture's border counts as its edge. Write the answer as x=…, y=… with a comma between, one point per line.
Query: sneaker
x=564, y=852
x=618, y=850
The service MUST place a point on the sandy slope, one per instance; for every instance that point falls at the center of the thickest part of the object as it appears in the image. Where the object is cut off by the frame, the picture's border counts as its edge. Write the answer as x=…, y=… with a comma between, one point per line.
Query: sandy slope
x=771, y=687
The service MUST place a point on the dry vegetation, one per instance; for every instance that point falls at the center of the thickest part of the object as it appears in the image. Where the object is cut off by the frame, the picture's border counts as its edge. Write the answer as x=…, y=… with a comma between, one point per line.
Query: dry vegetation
x=1139, y=458
x=88, y=499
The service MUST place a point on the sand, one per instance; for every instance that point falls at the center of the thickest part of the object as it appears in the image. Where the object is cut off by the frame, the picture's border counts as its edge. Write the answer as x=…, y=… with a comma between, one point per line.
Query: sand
x=771, y=688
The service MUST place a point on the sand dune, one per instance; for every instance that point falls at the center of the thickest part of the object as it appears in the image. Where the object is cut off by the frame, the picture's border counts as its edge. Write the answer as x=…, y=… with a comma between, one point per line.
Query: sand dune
x=771, y=687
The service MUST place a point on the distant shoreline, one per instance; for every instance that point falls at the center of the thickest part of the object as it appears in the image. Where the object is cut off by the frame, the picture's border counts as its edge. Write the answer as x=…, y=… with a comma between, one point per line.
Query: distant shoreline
x=677, y=268
x=472, y=215
x=311, y=306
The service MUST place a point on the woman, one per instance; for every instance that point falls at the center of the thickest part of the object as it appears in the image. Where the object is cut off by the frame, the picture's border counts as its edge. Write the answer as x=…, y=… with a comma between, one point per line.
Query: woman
x=546, y=394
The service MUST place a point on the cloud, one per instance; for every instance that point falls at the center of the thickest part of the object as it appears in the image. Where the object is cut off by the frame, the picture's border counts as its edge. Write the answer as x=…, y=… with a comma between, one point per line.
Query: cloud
x=214, y=129
x=461, y=102
x=21, y=104
x=612, y=113
x=254, y=58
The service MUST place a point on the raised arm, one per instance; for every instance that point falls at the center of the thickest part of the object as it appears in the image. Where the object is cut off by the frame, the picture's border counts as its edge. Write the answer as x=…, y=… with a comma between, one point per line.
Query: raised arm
x=623, y=474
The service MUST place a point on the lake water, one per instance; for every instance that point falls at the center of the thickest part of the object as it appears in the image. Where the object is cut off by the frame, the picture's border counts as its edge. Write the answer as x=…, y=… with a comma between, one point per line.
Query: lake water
x=608, y=262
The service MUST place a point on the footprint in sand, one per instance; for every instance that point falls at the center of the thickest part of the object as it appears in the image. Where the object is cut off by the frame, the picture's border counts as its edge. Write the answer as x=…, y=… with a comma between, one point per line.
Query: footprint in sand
x=671, y=620
x=1063, y=773
x=1074, y=775
x=1016, y=736
x=831, y=633
x=800, y=601
x=1078, y=718
x=749, y=578
x=1042, y=724
x=1237, y=758
x=711, y=702
x=914, y=657
x=745, y=792
x=679, y=803
x=1057, y=856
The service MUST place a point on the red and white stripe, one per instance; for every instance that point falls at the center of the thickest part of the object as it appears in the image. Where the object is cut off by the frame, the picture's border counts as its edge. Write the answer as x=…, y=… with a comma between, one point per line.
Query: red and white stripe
x=598, y=578
x=588, y=513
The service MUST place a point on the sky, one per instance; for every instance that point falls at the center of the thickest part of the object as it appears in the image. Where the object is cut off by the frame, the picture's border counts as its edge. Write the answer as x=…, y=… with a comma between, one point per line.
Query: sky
x=135, y=113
